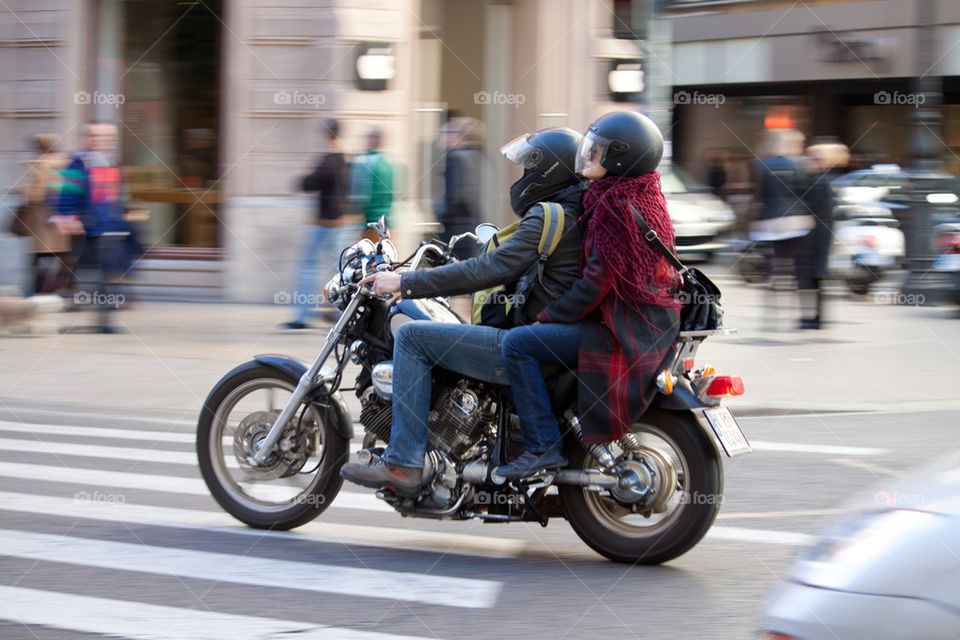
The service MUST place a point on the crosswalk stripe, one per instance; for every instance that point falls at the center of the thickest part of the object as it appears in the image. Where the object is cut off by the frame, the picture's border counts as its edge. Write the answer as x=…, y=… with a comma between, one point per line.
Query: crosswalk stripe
x=825, y=449
x=89, y=478
x=766, y=536
x=115, y=509
x=132, y=454
x=141, y=621
x=97, y=432
x=468, y=593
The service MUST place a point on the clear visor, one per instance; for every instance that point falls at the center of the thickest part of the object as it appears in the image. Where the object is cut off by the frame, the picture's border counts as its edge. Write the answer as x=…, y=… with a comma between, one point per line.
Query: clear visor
x=520, y=151
x=593, y=151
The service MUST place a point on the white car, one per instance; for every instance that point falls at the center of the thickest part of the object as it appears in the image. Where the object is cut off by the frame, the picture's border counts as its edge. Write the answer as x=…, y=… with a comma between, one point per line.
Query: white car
x=698, y=216
x=889, y=570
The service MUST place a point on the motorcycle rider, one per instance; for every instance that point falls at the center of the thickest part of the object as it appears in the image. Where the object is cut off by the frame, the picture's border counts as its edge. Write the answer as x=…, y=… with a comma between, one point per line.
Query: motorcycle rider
x=548, y=158
x=616, y=323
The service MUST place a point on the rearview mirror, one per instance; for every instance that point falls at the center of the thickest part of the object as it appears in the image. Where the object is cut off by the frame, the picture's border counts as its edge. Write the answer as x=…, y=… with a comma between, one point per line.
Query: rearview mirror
x=485, y=231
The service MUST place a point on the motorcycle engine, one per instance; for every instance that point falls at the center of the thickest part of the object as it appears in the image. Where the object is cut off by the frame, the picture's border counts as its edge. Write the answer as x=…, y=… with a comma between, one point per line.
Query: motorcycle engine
x=455, y=421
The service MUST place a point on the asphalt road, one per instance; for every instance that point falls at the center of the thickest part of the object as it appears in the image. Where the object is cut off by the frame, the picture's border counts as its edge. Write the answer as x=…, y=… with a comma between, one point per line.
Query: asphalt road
x=98, y=538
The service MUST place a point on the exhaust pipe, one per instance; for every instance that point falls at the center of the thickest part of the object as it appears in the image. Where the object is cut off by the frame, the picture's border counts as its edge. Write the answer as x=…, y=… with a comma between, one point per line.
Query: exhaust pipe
x=589, y=478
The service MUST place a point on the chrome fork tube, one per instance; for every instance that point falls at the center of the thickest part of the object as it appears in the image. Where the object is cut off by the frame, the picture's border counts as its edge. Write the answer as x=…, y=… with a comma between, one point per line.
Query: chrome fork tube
x=309, y=380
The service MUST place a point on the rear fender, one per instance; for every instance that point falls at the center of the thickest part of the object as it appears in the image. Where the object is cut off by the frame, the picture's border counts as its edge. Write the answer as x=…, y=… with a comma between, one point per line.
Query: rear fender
x=334, y=412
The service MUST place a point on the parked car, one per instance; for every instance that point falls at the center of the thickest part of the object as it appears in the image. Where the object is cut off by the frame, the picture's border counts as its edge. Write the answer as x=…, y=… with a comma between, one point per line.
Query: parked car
x=698, y=216
x=887, y=570
x=893, y=187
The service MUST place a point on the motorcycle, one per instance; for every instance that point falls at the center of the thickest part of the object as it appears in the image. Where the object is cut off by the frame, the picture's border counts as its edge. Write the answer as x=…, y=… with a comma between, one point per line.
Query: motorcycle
x=274, y=432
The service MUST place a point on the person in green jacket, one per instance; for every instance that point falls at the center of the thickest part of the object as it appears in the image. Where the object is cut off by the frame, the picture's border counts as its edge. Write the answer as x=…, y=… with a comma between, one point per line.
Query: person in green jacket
x=371, y=183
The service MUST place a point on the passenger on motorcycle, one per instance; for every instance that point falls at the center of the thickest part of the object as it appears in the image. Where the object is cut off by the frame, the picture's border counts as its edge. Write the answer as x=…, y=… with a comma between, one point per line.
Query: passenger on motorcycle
x=617, y=322
x=548, y=158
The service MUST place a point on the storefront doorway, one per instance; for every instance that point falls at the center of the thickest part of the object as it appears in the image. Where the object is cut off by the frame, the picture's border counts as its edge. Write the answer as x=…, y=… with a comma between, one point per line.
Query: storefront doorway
x=170, y=131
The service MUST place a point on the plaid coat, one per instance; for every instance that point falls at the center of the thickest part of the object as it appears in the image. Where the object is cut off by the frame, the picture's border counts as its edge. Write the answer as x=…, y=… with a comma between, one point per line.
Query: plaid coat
x=620, y=352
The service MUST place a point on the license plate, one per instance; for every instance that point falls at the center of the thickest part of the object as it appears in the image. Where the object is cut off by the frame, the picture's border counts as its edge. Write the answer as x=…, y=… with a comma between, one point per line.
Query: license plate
x=727, y=430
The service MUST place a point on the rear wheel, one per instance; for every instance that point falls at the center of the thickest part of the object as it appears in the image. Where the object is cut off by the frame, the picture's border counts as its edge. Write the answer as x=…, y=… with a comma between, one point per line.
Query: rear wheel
x=298, y=481
x=689, y=483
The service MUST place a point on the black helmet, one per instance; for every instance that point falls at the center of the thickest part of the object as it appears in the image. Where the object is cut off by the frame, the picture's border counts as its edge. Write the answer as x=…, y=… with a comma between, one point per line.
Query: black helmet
x=548, y=157
x=626, y=143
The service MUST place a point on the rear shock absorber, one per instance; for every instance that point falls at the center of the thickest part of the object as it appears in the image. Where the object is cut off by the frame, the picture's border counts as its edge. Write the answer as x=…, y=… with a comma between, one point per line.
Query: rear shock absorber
x=600, y=451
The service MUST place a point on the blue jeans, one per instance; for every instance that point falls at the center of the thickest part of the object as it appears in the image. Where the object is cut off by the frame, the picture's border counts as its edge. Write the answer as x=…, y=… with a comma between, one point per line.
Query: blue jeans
x=524, y=350
x=469, y=350
x=318, y=264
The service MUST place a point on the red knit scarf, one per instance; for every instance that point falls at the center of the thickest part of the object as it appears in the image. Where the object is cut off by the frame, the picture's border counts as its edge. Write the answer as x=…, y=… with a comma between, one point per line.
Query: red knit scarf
x=641, y=276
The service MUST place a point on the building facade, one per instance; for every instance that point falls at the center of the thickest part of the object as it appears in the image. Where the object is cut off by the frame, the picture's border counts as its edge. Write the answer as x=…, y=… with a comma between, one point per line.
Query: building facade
x=218, y=104
x=840, y=69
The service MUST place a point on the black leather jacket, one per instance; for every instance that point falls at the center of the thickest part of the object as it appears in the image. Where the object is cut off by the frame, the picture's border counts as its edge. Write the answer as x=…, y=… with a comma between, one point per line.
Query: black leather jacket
x=511, y=261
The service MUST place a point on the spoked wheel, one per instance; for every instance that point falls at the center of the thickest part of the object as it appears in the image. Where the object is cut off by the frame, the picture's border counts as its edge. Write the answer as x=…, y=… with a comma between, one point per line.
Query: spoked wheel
x=297, y=481
x=671, y=452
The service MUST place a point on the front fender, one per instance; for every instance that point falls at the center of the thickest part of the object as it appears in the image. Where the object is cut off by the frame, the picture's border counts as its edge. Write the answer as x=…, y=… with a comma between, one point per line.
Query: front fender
x=335, y=413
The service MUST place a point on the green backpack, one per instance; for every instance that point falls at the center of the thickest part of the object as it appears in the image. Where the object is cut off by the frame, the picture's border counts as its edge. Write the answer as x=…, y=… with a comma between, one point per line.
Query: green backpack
x=500, y=306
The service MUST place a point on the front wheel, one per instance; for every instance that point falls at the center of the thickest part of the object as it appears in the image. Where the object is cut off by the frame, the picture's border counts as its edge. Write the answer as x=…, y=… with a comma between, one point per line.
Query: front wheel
x=298, y=480
x=689, y=492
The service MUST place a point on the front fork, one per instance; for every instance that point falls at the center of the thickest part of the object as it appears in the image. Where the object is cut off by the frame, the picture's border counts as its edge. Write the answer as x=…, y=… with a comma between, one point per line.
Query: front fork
x=310, y=380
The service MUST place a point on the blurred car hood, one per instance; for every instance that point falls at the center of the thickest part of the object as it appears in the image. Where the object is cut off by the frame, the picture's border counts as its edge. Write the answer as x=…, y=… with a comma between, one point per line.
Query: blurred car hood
x=901, y=539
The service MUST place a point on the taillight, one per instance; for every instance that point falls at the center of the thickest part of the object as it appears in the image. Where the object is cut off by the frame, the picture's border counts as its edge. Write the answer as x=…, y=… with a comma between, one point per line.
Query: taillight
x=725, y=386
x=869, y=241
x=688, y=364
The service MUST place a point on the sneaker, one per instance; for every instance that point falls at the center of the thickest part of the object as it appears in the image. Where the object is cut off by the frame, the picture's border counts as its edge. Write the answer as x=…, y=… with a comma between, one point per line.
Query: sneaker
x=529, y=463
x=294, y=326
x=404, y=481
x=110, y=330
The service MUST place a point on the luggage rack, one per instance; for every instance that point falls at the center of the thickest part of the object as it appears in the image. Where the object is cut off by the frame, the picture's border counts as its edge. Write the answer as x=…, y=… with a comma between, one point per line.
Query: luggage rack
x=686, y=336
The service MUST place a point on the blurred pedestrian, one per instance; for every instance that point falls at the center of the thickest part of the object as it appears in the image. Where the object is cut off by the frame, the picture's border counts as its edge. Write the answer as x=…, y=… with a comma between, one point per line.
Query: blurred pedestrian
x=716, y=174
x=827, y=162
x=783, y=218
x=51, y=245
x=371, y=183
x=462, y=179
x=329, y=231
x=92, y=192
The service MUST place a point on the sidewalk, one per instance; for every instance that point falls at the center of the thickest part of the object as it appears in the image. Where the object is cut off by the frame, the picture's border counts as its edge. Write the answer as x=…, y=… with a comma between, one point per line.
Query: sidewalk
x=874, y=356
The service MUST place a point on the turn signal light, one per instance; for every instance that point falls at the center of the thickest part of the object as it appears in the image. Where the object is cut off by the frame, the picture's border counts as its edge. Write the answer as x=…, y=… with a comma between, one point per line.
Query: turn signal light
x=708, y=372
x=725, y=386
x=665, y=382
